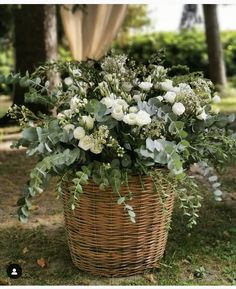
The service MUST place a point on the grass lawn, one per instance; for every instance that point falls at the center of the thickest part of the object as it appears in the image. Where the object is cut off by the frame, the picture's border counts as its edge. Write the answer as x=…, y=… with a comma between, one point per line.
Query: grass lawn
x=206, y=255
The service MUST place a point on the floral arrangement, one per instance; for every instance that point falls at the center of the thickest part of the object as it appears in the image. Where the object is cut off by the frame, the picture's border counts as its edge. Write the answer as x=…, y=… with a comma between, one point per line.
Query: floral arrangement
x=112, y=119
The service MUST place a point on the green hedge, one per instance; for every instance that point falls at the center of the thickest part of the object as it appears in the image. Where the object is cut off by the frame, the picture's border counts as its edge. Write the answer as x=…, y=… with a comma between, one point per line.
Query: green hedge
x=185, y=48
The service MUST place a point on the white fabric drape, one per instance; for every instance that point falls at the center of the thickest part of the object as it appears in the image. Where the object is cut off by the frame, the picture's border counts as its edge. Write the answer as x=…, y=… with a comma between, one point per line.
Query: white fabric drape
x=90, y=31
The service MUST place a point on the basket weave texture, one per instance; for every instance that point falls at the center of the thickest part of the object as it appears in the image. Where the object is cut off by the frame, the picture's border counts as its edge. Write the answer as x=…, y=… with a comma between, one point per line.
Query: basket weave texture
x=102, y=239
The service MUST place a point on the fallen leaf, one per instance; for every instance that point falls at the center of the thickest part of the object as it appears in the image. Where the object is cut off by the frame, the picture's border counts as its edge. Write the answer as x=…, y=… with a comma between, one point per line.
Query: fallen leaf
x=151, y=278
x=25, y=250
x=226, y=234
x=41, y=262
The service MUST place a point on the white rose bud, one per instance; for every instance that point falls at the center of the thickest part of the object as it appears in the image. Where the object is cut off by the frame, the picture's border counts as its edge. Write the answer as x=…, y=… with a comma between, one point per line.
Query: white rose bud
x=88, y=121
x=137, y=97
x=118, y=113
x=79, y=133
x=216, y=99
x=167, y=85
x=178, y=108
x=160, y=98
x=202, y=115
x=127, y=86
x=143, y=118
x=121, y=102
x=130, y=118
x=69, y=127
x=170, y=96
x=68, y=81
x=60, y=115
x=86, y=143
x=145, y=86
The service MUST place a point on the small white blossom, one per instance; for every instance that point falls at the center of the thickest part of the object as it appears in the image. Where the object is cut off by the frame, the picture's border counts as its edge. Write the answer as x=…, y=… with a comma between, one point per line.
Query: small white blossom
x=68, y=113
x=88, y=121
x=74, y=103
x=133, y=109
x=160, y=98
x=127, y=86
x=170, y=96
x=178, y=108
x=68, y=81
x=76, y=72
x=202, y=115
x=117, y=112
x=167, y=85
x=145, y=85
x=86, y=143
x=216, y=99
x=143, y=118
x=60, y=115
x=79, y=133
x=69, y=127
x=130, y=118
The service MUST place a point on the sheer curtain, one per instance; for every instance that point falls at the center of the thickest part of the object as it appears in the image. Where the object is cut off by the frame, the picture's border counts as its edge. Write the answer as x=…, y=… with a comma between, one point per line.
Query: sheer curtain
x=91, y=30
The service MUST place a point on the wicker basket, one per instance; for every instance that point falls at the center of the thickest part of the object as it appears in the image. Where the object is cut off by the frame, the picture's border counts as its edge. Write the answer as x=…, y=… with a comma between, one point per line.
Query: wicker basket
x=103, y=240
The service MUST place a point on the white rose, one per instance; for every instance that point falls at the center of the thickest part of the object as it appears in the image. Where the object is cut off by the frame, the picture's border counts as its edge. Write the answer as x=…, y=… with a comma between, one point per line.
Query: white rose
x=96, y=148
x=118, y=113
x=143, y=118
x=167, y=85
x=86, y=143
x=68, y=112
x=79, y=133
x=69, y=127
x=145, y=86
x=160, y=98
x=202, y=115
x=133, y=109
x=76, y=72
x=60, y=115
x=121, y=102
x=130, y=118
x=108, y=102
x=178, y=108
x=68, y=81
x=88, y=121
x=137, y=97
x=170, y=96
x=216, y=99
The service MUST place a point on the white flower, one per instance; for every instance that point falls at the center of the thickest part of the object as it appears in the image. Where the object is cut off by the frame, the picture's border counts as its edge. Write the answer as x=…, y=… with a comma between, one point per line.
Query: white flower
x=117, y=112
x=160, y=98
x=145, y=86
x=60, y=115
x=74, y=103
x=88, y=121
x=76, y=72
x=86, y=143
x=137, y=97
x=178, y=108
x=79, y=133
x=143, y=118
x=69, y=127
x=167, y=85
x=133, y=109
x=121, y=102
x=68, y=112
x=127, y=86
x=202, y=115
x=216, y=99
x=170, y=96
x=130, y=118
x=108, y=101
x=68, y=81
x=96, y=148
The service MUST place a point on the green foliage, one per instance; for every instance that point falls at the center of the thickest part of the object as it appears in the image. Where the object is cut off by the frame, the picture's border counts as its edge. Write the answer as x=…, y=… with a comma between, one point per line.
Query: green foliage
x=185, y=48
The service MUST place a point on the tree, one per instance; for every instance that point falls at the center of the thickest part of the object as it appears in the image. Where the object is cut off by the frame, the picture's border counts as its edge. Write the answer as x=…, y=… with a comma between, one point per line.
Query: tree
x=136, y=18
x=217, y=69
x=35, y=42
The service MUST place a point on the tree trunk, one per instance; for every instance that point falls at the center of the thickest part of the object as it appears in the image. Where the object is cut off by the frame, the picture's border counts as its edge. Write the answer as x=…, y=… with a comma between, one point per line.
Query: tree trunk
x=35, y=40
x=215, y=51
